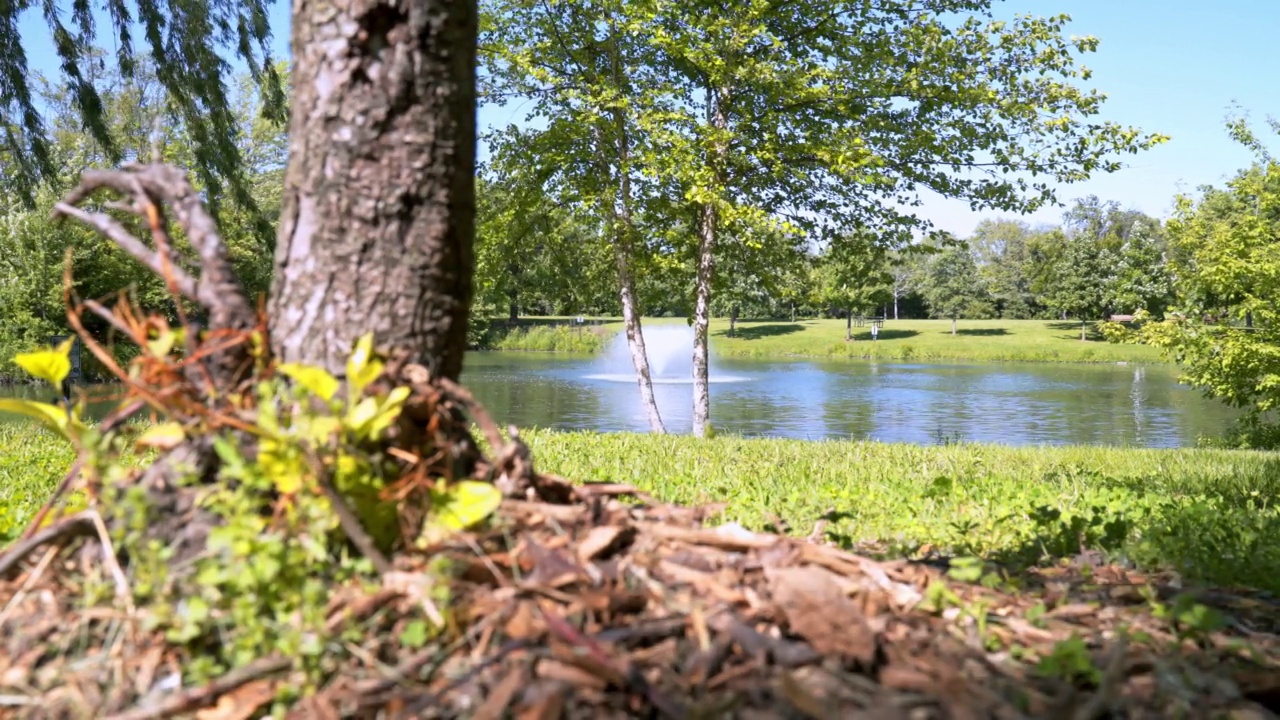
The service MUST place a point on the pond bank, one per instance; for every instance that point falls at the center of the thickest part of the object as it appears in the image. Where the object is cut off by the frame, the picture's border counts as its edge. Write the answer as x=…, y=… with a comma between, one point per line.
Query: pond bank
x=1045, y=341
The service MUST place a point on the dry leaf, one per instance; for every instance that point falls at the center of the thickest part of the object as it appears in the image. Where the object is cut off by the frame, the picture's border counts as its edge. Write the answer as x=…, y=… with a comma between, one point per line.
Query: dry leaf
x=818, y=610
x=598, y=540
x=495, y=705
x=241, y=703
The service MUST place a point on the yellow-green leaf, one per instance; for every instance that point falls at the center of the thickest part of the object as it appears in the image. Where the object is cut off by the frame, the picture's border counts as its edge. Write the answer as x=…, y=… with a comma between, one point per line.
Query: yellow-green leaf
x=388, y=412
x=362, y=367
x=51, y=415
x=359, y=417
x=320, y=430
x=458, y=506
x=52, y=364
x=162, y=437
x=163, y=344
x=316, y=380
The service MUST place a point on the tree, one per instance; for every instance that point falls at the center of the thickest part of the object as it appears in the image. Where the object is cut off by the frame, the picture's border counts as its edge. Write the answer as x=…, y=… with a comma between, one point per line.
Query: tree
x=1224, y=327
x=852, y=274
x=953, y=286
x=379, y=200
x=1082, y=275
x=582, y=65
x=1004, y=253
x=182, y=42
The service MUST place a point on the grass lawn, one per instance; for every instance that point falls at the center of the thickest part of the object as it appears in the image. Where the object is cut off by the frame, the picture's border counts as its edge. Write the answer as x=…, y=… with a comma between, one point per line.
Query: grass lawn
x=1209, y=514
x=989, y=340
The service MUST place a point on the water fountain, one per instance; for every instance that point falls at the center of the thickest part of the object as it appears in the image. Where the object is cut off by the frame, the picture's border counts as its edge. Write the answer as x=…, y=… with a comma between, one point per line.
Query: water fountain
x=670, y=350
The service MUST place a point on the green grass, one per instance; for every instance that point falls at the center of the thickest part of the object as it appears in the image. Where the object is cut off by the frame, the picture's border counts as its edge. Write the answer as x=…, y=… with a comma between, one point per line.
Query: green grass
x=908, y=340
x=552, y=338
x=32, y=463
x=1208, y=514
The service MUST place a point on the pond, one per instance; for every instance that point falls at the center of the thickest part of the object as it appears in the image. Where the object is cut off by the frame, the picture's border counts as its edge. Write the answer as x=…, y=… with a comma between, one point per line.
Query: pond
x=1007, y=403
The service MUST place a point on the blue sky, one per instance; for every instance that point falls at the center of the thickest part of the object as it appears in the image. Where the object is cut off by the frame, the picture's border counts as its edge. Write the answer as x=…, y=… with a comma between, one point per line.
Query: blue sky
x=1175, y=67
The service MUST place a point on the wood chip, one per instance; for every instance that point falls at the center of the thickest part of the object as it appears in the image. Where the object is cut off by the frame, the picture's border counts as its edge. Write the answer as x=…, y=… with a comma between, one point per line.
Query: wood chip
x=818, y=611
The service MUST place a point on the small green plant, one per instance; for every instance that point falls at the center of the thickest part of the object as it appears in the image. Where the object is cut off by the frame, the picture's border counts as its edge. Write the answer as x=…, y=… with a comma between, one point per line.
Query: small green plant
x=1070, y=661
x=263, y=581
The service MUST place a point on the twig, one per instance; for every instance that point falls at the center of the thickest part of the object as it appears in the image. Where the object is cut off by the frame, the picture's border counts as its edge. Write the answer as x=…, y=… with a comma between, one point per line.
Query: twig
x=477, y=412
x=626, y=676
x=75, y=526
x=120, y=235
x=1104, y=700
x=347, y=519
x=109, y=558
x=70, y=477
x=192, y=698
x=418, y=705
x=28, y=583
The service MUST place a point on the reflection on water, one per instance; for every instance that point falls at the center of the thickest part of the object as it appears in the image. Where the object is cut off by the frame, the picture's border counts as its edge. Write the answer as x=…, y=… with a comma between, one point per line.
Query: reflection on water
x=1015, y=404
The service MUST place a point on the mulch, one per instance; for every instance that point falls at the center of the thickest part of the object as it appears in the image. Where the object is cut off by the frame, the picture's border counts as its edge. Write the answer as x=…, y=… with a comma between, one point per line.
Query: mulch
x=611, y=605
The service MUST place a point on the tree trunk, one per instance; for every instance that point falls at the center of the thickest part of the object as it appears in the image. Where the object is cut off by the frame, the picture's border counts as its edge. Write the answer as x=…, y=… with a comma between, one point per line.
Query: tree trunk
x=377, y=227
x=895, y=306
x=953, y=327
x=848, y=325
x=793, y=312
x=708, y=221
x=513, y=308
x=635, y=336
x=733, y=321
x=618, y=216
x=1083, y=325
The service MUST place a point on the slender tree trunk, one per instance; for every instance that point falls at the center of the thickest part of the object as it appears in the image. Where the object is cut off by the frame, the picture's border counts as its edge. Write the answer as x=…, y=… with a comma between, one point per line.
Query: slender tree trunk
x=953, y=326
x=619, y=216
x=377, y=226
x=733, y=321
x=848, y=325
x=708, y=222
x=793, y=312
x=895, y=306
x=1083, y=325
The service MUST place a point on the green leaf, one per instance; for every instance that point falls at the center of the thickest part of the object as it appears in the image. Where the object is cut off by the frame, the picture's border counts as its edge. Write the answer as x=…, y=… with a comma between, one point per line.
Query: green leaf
x=458, y=506
x=362, y=367
x=53, y=364
x=56, y=417
x=415, y=634
x=163, y=436
x=388, y=412
x=316, y=380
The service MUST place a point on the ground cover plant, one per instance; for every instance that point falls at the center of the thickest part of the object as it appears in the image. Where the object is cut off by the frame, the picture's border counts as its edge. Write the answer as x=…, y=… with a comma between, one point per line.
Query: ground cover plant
x=1209, y=515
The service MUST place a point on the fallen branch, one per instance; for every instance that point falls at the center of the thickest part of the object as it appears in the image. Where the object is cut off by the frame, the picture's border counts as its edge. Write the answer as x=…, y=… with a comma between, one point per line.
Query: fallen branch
x=65, y=530
x=204, y=695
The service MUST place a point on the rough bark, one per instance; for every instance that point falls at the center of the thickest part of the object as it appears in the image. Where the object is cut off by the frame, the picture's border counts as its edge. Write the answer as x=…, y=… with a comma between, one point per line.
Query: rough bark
x=708, y=222
x=379, y=200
